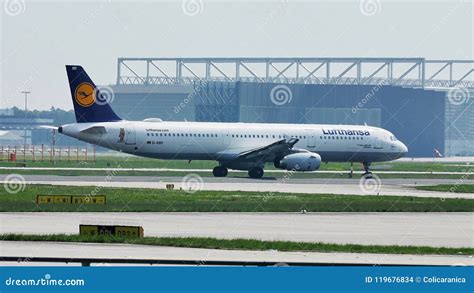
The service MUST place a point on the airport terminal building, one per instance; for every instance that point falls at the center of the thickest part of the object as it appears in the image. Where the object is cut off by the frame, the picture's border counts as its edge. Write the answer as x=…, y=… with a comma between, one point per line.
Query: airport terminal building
x=428, y=104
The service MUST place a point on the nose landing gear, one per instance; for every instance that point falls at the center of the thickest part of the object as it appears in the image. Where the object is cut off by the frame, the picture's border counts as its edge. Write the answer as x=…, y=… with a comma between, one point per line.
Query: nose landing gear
x=367, y=174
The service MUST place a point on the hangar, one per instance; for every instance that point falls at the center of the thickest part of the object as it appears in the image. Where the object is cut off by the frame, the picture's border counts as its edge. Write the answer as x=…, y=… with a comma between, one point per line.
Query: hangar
x=427, y=103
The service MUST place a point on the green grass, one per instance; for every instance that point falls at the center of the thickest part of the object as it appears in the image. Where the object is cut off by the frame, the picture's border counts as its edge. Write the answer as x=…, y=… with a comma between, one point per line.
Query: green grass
x=114, y=162
x=450, y=188
x=138, y=162
x=244, y=244
x=104, y=161
x=161, y=200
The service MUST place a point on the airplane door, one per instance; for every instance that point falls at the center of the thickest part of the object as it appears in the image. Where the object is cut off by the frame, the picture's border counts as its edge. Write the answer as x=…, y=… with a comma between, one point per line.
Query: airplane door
x=378, y=143
x=130, y=134
x=310, y=138
x=225, y=138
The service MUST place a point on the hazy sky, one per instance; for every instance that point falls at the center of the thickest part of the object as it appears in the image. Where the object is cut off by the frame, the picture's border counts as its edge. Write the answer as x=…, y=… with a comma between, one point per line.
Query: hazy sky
x=38, y=38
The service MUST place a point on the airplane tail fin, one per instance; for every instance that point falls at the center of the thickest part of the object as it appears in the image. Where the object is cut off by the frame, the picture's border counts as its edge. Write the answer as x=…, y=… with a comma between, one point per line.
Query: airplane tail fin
x=91, y=104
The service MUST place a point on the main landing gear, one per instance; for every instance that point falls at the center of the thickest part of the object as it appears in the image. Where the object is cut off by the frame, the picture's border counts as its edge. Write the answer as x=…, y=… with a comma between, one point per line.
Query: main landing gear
x=367, y=174
x=256, y=172
x=219, y=171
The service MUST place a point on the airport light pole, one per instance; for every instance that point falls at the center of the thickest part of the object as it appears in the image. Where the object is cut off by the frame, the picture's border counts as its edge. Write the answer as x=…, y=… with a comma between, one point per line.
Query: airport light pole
x=26, y=113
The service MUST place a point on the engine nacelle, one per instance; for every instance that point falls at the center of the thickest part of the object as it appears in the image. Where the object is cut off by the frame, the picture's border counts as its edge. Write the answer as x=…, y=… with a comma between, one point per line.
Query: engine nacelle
x=301, y=162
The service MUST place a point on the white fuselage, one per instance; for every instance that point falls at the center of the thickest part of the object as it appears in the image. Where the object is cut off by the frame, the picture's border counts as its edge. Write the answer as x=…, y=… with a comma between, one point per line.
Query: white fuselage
x=222, y=141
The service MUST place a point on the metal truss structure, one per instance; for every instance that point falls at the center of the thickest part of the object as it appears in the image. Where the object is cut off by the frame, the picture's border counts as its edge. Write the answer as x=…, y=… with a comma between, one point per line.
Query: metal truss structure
x=216, y=102
x=406, y=72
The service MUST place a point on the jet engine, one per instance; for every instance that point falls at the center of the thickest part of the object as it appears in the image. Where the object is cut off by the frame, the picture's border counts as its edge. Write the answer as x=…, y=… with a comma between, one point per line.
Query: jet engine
x=300, y=162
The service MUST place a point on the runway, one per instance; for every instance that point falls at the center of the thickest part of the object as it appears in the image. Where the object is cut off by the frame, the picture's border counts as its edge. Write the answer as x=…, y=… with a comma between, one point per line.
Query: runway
x=417, y=229
x=389, y=186
x=114, y=251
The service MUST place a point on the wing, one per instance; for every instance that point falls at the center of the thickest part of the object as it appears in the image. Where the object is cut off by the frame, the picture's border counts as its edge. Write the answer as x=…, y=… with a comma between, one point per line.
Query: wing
x=266, y=153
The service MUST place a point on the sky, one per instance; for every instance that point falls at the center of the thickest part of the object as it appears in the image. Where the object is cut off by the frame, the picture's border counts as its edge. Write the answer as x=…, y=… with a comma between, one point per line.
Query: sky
x=38, y=38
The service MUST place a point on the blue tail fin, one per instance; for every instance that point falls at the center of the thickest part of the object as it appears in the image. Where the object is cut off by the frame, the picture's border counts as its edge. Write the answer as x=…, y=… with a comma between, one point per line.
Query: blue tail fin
x=90, y=105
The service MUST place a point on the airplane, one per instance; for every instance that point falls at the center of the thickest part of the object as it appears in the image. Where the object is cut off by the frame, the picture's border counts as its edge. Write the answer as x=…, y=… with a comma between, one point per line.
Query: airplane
x=237, y=146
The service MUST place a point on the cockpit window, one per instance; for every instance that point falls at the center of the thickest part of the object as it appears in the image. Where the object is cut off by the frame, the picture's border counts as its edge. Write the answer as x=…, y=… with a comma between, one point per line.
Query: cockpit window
x=393, y=138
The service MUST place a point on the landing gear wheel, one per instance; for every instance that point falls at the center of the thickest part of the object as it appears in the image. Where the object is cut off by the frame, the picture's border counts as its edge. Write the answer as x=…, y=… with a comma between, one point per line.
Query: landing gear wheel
x=219, y=171
x=367, y=174
x=256, y=172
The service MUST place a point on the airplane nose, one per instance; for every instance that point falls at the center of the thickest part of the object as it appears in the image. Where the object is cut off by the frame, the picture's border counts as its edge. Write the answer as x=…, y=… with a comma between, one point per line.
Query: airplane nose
x=403, y=148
